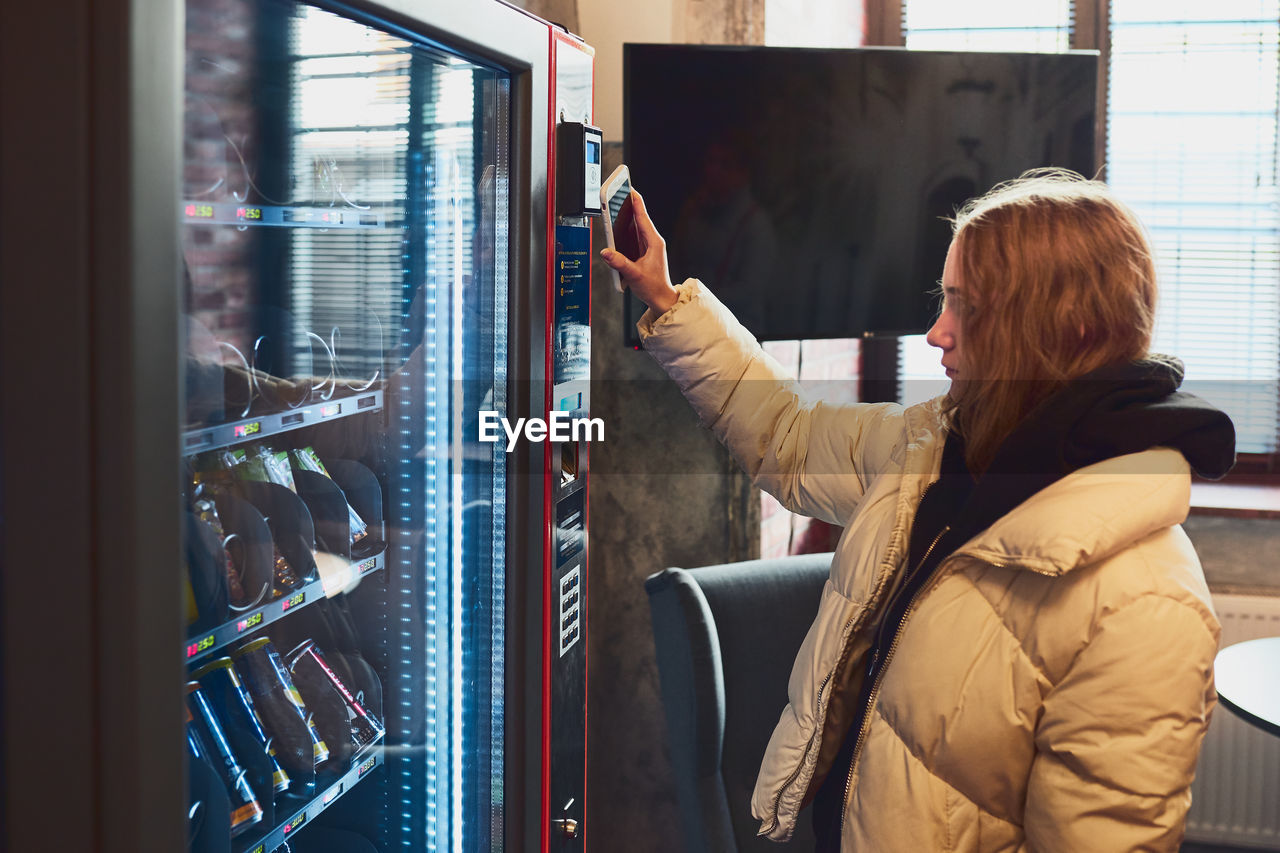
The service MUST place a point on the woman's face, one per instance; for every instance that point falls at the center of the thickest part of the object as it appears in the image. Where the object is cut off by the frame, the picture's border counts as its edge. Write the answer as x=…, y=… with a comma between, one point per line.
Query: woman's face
x=946, y=331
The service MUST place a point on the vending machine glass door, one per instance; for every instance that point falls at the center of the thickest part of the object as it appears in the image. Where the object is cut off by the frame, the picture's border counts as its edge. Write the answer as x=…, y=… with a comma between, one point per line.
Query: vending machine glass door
x=344, y=233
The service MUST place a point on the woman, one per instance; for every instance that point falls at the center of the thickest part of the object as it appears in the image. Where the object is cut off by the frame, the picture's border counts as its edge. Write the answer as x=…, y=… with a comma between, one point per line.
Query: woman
x=1015, y=648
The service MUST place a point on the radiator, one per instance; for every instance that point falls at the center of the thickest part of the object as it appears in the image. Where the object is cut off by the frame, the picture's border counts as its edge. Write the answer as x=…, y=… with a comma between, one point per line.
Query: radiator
x=1235, y=798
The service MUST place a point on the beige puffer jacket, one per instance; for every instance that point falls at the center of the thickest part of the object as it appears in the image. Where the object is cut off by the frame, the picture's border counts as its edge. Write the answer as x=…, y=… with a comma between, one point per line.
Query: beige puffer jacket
x=1050, y=688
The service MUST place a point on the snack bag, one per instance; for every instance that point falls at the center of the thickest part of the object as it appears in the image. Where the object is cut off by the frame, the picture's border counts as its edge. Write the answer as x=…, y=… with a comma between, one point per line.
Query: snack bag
x=249, y=465
x=207, y=512
x=306, y=459
x=278, y=468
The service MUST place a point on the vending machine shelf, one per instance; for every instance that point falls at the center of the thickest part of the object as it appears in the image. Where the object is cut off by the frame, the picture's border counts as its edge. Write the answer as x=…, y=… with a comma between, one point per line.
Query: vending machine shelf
x=361, y=766
x=264, y=426
x=327, y=217
x=246, y=623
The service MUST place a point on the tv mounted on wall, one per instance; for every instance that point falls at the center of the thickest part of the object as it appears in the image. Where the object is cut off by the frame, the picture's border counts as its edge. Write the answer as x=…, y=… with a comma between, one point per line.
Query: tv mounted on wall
x=810, y=188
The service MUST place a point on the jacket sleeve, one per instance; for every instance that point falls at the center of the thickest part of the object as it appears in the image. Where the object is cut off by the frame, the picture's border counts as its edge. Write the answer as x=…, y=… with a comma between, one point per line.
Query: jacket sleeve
x=816, y=459
x=1116, y=746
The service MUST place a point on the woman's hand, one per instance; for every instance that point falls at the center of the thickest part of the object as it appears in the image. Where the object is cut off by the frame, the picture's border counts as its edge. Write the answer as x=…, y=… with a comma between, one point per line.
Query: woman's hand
x=647, y=276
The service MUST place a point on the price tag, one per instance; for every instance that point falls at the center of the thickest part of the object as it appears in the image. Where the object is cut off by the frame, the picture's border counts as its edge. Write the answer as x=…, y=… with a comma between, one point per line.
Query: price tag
x=200, y=645
x=332, y=794
x=369, y=565
x=246, y=430
x=295, y=823
x=368, y=765
x=252, y=622
x=290, y=603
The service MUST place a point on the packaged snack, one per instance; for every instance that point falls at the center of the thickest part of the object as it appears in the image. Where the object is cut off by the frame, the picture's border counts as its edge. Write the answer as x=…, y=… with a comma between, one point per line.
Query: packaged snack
x=286, y=718
x=249, y=466
x=258, y=464
x=207, y=739
x=279, y=469
x=306, y=459
x=214, y=469
x=264, y=465
x=231, y=699
x=207, y=512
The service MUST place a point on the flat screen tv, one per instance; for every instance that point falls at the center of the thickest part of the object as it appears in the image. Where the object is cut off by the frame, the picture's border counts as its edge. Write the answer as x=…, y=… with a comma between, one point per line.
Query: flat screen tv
x=810, y=188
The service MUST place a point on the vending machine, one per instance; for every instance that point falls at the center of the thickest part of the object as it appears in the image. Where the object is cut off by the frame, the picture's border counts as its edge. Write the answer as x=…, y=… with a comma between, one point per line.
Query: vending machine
x=280, y=279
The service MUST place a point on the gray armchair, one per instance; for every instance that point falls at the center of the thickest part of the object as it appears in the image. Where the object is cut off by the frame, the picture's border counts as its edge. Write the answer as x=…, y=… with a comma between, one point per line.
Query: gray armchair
x=726, y=637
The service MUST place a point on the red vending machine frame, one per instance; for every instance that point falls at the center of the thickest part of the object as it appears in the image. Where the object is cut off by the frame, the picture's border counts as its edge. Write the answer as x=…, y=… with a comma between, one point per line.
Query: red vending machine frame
x=566, y=467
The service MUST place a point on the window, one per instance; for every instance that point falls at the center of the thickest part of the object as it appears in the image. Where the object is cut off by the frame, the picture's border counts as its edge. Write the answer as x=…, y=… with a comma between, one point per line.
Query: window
x=1000, y=25
x=827, y=370
x=1192, y=145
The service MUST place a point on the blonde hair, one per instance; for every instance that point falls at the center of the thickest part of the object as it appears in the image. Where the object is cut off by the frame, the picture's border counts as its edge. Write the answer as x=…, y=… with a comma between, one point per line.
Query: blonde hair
x=1061, y=280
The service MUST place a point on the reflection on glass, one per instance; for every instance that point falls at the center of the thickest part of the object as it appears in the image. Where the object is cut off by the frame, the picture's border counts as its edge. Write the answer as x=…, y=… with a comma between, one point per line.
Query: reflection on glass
x=344, y=216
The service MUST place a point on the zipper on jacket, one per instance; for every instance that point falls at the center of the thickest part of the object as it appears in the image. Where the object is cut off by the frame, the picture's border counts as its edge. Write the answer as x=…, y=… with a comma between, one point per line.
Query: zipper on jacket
x=777, y=797
x=850, y=628
x=875, y=686
x=906, y=583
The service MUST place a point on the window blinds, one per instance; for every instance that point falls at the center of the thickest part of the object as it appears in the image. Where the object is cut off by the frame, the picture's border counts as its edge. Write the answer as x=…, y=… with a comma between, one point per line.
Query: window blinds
x=349, y=142
x=1192, y=147
x=367, y=120
x=1042, y=26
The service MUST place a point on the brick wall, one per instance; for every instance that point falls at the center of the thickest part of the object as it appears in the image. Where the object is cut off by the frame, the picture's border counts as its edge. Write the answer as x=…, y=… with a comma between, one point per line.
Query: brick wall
x=219, y=125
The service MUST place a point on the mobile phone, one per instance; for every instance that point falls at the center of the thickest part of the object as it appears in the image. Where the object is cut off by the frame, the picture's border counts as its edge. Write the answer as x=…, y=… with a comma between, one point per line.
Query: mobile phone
x=621, y=231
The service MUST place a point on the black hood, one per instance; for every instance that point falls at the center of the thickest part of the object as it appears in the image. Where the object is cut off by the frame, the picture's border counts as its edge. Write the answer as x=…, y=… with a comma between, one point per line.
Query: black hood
x=1110, y=412
x=1118, y=410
